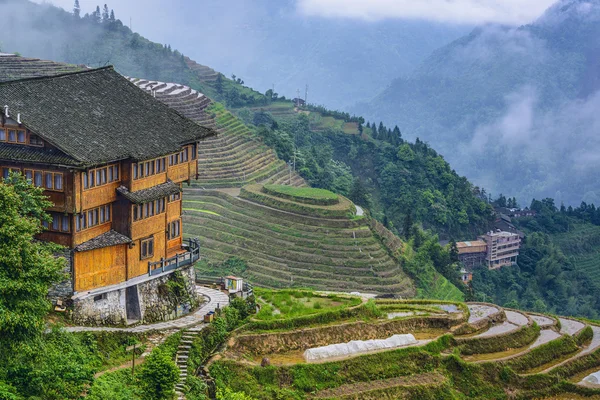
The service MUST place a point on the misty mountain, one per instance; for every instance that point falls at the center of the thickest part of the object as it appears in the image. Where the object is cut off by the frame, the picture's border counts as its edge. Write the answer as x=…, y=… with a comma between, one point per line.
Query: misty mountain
x=514, y=109
x=267, y=42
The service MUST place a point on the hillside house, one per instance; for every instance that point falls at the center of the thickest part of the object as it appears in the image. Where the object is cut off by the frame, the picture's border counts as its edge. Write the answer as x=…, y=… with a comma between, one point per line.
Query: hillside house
x=502, y=248
x=472, y=254
x=112, y=159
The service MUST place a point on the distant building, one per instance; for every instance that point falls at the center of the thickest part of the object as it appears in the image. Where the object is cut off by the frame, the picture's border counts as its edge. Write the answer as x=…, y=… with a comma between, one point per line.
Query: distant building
x=502, y=248
x=298, y=102
x=472, y=254
x=465, y=276
x=515, y=212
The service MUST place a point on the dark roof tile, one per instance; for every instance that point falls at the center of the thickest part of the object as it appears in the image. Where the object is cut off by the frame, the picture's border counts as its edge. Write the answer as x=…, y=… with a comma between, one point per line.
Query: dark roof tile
x=110, y=238
x=151, y=194
x=21, y=153
x=98, y=116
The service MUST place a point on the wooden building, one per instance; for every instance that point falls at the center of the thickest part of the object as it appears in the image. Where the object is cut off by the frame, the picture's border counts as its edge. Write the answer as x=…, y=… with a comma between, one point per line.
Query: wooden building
x=112, y=159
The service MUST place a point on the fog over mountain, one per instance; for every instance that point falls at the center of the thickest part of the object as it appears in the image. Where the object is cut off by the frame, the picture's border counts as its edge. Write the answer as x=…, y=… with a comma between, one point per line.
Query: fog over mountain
x=514, y=109
x=278, y=42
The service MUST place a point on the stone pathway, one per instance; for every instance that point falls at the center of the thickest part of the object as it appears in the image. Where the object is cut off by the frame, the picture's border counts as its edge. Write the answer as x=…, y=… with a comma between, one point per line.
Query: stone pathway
x=215, y=298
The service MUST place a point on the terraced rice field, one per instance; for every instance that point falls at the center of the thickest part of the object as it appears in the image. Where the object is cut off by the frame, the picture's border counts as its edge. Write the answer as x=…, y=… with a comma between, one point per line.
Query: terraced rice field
x=235, y=156
x=541, y=364
x=581, y=244
x=284, y=249
x=14, y=67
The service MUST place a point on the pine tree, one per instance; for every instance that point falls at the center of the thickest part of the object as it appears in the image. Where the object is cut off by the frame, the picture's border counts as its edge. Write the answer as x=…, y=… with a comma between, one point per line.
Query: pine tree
x=407, y=226
x=112, y=16
x=96, y=15
x=368, y=124
x=219, y=84
x=77, y=9
x=374, y=131
x=397, y=135
x=381, y=132
x=453, y=251
x=105, y=14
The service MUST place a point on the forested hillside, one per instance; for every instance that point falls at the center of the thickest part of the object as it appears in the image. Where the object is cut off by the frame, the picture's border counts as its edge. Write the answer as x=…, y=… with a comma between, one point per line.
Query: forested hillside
x=403, y=182
x=511, y=108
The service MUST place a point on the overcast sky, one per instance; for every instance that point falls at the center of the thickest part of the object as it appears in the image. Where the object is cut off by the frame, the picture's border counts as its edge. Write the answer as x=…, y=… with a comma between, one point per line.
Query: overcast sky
x=146, y=14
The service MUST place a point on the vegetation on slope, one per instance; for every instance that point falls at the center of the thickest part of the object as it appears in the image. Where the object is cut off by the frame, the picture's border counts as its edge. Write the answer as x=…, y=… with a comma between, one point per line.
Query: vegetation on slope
x=282, y=249
x=549, y=276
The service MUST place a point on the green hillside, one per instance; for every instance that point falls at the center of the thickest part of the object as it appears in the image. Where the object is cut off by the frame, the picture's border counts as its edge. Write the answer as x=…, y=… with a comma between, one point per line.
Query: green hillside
x=488, y=100
x=461, y=351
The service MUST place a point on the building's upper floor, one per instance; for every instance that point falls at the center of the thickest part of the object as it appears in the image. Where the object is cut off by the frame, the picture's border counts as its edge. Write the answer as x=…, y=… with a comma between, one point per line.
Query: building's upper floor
x=82, y=135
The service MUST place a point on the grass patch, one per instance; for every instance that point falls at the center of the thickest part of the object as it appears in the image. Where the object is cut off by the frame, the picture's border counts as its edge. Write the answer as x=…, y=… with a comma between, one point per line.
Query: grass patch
x=296, y=303
x=303, y=195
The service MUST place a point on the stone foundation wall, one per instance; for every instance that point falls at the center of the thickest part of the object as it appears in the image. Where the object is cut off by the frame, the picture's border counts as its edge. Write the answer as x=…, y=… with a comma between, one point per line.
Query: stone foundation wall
x=63, y=290
x=107, y=310
x=155, y=304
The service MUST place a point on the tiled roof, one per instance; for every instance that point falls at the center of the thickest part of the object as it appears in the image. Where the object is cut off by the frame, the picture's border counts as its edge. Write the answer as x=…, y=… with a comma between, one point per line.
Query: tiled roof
x=110, y=238
x=21, y=153
x=14, y=67
x=151, y=194
x=98, y=116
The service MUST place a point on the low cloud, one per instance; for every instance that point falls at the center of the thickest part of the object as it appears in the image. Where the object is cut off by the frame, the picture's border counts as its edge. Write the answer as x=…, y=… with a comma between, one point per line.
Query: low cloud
x=510, y=12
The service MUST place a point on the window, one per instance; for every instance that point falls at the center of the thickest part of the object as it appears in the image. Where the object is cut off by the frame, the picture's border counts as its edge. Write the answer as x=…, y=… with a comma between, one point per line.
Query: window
x=49, y=181
x=174, y=229
x=194, y=152
x=12, y=136
x=35, y=140
x=100, y=176
x=147, y=248
x=100, y=297
x=182, y=156
x=147, y=210
x=45, y=179
x=38, y=178
x=93, y=217
x=21, y=137
x=175, y=197
x=149, y=168
x=60, y=223
x=2, y=135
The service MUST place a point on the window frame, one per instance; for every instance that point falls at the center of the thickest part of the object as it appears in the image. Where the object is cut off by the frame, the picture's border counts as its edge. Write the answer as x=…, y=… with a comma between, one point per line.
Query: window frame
x=147, y=248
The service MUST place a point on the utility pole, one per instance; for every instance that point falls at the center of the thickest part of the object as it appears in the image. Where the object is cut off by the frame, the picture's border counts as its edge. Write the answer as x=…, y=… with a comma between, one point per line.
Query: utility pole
x=306, y=95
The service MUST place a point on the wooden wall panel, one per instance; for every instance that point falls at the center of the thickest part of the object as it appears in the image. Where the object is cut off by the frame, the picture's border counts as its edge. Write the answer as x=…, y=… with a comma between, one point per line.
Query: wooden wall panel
x=148, y=226
x=87, y=234
x=179, y=173
x=137, y=266
x=174, y=246
x=95, y=197
x=64, y=239
x=100, y=267
x=173, y=210
x=148, y=182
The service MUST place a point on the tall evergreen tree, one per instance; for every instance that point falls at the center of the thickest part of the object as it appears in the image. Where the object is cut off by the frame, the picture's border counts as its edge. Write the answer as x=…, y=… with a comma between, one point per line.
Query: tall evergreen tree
x=77, y=9
x=112, y=17
x=374, y=131
x=219, y=84
x=397, y=134
x=97, y=15
x=381, y=131
x=105, y=14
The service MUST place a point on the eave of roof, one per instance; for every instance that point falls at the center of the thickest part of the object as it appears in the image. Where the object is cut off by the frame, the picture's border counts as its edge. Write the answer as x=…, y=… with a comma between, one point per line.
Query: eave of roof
x=110, y=238
x=151, y=194
x=98, y=116
x=41, y=155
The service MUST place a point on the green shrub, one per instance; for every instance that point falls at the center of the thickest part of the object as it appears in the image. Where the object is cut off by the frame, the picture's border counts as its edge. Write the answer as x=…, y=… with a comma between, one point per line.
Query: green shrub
x=543, y=354
x=157, y=376
x=494, y=344
x=118, y=385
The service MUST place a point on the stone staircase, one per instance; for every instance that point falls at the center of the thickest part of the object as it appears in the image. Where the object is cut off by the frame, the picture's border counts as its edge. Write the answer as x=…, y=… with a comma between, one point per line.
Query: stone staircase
x=181, y=359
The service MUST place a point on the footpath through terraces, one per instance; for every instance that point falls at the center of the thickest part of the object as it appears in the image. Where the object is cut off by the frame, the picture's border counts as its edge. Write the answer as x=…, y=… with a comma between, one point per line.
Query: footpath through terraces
x=215, y=299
